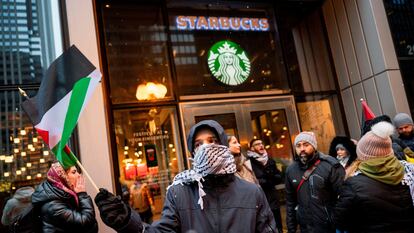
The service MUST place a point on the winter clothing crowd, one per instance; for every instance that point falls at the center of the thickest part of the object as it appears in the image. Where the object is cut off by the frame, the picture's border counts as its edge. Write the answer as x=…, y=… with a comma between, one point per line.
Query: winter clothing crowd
x=361, y=186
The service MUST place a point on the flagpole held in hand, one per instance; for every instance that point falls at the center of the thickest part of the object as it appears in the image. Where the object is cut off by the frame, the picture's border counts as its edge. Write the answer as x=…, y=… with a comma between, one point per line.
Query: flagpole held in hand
x=23, y=93
x=87, y=175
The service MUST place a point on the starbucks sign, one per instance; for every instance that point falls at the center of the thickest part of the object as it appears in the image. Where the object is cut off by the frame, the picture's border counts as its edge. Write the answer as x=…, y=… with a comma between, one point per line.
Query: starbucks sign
x=228, y=63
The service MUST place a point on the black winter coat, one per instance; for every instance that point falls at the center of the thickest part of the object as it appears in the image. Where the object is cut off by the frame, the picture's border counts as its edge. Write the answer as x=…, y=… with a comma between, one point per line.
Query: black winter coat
x=231, y=205
x=312, y=207
x=59, y=212
x=268, y=176
x=366, y=205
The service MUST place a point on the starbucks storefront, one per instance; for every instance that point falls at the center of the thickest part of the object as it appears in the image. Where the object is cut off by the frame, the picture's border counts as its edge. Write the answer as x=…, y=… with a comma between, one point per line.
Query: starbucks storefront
x=168, y=65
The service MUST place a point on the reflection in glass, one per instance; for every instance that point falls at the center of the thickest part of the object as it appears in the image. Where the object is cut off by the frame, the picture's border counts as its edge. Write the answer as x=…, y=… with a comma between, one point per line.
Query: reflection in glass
x=149, y=151
x=227, y=121
x=136, y=51
x=24, y=159
x=272, y=128
x=192, y=54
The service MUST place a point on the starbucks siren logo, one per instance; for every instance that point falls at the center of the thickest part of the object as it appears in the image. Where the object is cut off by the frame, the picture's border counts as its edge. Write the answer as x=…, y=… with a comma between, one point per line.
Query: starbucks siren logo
x=228, y=63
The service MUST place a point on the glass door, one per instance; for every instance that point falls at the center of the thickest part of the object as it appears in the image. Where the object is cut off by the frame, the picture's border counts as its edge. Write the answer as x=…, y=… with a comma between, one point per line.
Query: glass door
x=272, y=119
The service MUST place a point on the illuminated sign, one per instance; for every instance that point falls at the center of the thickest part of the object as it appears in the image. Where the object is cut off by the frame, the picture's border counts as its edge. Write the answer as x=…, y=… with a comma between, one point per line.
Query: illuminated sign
x=221, y=23
x=228, y=63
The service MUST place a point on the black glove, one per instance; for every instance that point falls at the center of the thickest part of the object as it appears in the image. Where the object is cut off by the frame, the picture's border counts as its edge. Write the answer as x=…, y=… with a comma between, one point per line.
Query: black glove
x=114, y=212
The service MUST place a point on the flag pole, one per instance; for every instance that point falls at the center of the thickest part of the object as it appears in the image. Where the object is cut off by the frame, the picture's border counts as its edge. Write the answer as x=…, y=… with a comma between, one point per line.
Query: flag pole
x=87, y=175
x=24, y=94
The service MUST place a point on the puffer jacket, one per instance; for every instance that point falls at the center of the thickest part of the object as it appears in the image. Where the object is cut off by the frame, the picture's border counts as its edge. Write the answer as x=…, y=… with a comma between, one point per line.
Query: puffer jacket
x=367, y=205
x=60, y=213
x=231, y=205
x=312, y=206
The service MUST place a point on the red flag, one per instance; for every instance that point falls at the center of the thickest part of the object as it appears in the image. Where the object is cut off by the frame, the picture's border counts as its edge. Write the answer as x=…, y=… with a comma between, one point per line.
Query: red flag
x=367, y=115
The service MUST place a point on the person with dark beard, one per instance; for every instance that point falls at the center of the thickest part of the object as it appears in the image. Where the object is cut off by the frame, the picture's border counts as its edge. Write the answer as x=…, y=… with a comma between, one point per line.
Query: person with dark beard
x=405, y=128
x=206, y=198
x=312, y=185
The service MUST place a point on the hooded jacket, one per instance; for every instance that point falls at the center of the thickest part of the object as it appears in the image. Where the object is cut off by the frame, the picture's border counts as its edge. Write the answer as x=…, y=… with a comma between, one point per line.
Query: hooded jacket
x=374, y=200
x=17, y=205
x=230, y=205
x=311, y=207
x=349, y=146
x=60, y=213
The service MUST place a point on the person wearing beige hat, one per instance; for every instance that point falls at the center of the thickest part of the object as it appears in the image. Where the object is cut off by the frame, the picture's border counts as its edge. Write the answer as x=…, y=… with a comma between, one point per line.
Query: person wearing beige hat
x=312, y=186
x=374, y=198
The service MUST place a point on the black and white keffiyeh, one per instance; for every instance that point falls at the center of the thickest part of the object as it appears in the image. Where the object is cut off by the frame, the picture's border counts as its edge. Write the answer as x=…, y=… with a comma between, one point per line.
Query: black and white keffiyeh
x=408, y=176
x=209, y=159
x=262, y=158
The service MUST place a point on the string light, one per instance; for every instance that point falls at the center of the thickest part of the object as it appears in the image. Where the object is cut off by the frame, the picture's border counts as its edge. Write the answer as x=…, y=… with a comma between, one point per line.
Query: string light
x=139, y=143
x=23, y=169
x=42, y=160
x=45, y=153
x=9, y=159
x=6, y=174
x=2, y=157
x=28, y=164
x=16, y=140
x=28, y=177
x=22, y=132
x=16, y=150
x=18, y=172
x=35, y=139
x=39, y=175
x=23, y=153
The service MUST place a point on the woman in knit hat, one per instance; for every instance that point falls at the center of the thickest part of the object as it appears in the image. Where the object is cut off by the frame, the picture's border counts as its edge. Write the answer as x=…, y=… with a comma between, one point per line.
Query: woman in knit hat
x=374, y=198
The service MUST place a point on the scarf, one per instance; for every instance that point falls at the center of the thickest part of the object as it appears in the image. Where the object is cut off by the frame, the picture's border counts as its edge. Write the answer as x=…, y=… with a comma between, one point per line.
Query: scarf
x=58, y=178
x=343, y=161
x=209, y=159
x=261, y=158
x=387, y=170
x=408, y=176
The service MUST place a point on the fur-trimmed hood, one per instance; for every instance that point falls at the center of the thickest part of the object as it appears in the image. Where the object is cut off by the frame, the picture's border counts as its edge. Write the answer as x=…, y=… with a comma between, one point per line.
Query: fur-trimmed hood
x=348, y=144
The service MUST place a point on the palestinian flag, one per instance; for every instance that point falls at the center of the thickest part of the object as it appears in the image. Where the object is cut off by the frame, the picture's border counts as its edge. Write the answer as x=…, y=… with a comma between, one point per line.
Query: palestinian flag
x=65, y=89
x=367, y=115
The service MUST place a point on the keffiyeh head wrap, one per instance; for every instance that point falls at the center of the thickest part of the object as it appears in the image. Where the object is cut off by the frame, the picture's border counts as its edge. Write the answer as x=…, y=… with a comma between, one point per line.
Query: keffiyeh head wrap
x=58, y=178
x=209, y=159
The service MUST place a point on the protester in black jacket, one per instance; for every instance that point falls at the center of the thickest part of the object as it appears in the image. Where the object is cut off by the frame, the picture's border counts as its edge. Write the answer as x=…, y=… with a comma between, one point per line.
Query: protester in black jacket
x=207, y=198
x=268, y=175
x=374, y=200
x=63, y=203
x=310, y=202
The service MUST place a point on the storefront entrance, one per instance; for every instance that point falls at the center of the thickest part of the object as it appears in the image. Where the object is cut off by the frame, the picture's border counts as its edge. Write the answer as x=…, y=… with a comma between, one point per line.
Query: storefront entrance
x=272, y=119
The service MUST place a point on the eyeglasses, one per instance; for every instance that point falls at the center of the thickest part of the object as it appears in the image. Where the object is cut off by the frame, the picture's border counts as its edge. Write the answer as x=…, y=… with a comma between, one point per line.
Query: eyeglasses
x=258, y=144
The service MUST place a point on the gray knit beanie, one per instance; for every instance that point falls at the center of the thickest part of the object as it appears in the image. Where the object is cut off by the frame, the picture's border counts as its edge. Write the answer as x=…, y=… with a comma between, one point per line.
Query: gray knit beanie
x=402, y=119
x=307, y=137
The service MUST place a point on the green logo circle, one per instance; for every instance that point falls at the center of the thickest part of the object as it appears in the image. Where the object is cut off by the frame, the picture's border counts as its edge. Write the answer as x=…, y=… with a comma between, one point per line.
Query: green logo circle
x=228, y=63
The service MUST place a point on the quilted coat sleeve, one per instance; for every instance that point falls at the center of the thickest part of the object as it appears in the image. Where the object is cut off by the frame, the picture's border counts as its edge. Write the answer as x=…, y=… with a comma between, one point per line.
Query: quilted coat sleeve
x=61, y=214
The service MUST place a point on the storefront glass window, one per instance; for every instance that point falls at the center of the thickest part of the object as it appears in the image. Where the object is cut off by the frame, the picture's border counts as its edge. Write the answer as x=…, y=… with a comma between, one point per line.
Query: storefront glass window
x=226, y=48
x=136, y=49
x=30, y=40
x=321, y=115
x=149, y=153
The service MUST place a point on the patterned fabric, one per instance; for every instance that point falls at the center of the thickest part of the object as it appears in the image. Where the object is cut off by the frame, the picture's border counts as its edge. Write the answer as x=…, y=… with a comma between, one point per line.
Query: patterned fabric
x=261, y=158
x=408, y=176
x=58, y=178
x=209, y=159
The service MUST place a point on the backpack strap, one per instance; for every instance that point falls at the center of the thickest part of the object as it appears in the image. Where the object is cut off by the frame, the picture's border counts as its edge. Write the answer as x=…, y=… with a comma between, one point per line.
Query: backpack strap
x=307, y=174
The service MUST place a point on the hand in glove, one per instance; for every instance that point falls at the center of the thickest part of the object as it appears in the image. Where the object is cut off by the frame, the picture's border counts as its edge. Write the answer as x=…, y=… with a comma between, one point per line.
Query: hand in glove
x=114, y=212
